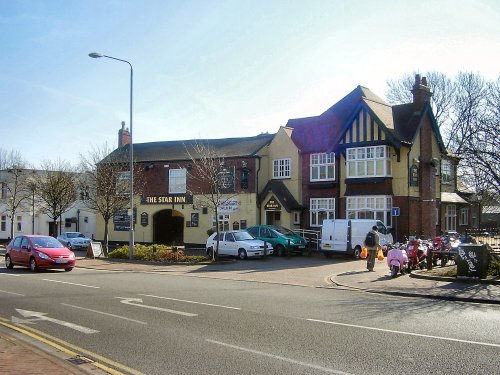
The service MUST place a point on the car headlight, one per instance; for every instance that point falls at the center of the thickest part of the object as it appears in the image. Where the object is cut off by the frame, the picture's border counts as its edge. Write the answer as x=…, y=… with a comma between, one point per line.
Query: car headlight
x=254, y=247
x=72, y=256
x=43, y=255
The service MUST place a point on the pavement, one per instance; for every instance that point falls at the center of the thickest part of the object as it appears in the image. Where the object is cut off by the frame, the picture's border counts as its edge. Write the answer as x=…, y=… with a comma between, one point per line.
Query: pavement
x=316, y=271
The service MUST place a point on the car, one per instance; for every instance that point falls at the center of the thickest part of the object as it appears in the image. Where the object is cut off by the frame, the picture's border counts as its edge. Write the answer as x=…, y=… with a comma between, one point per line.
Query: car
x=280, y=238
x=38, y=252
x=74, y=240
x=237, y=243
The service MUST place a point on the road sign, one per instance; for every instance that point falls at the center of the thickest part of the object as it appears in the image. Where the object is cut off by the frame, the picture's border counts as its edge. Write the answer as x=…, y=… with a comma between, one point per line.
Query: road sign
x=395, y=211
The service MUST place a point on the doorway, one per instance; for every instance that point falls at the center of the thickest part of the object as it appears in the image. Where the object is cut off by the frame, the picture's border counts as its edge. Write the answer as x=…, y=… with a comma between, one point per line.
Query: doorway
x=273, y=217
x=168, y=227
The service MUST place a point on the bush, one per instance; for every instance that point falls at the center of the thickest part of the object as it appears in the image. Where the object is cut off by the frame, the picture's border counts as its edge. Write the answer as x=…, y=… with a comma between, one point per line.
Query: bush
x=156, y=253
x=494, y=268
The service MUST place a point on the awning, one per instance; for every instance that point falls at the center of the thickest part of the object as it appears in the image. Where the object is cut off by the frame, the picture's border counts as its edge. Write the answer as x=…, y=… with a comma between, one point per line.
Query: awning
x=452, y=198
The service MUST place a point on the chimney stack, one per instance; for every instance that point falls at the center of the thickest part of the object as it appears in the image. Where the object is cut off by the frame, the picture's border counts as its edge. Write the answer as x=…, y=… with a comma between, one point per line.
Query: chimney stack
x=421, y=93
x=123, y=136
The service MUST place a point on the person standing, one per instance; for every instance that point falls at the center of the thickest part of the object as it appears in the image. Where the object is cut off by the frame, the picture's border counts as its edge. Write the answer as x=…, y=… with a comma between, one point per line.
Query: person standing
x=372, y=243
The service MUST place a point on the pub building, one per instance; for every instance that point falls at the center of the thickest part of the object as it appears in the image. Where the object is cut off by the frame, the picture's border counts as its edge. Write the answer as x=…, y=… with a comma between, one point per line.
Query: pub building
x=361, y=158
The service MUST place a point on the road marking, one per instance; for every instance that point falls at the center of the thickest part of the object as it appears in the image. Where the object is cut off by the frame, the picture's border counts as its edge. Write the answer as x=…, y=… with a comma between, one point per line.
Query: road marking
x=406, y=333
x=305, y=364
x=35, y=316
x=66, y=282
x=138, y=302
x=104, y=313
x=198, y=303
x=16, y=294
x=9, y=274
x=63, y=346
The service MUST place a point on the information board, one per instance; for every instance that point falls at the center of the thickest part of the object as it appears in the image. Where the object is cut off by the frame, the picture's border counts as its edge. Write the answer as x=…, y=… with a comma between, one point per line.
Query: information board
x=96, y=249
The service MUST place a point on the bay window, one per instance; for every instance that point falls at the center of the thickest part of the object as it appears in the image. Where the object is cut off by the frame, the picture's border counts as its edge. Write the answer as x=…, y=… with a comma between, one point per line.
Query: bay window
x=376, y=207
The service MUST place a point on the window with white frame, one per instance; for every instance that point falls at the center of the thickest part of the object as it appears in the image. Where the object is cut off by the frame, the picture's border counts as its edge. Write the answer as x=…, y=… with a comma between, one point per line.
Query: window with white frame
x=451, y=217
x=322, y=167
x=464, y=216
x=321, y=209
x=3, y=223
x=376, y=207
x=177, y=181
x=281, y=168
x=3, y=190
x=123, y=183
x=223, y=222
x=369, y=162
x=446, y=172
x=19, y=223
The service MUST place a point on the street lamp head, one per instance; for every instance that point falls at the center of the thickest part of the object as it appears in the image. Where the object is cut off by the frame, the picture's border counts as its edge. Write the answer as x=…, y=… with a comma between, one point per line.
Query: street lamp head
x=95, y=55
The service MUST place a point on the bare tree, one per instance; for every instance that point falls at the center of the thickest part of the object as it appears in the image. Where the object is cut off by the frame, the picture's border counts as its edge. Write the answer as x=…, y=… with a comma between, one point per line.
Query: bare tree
x=11, y=159
x=105, y=181
x=209, y=180
x=467, y=109
x=16, y=190
x=56, y=190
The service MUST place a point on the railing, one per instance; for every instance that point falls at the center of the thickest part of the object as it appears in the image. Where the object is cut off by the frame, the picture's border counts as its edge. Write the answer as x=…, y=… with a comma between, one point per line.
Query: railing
x=313, y=237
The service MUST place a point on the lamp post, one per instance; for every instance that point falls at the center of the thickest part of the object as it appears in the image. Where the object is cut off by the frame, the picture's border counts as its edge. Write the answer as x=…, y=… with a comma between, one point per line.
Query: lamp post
x=96, y=55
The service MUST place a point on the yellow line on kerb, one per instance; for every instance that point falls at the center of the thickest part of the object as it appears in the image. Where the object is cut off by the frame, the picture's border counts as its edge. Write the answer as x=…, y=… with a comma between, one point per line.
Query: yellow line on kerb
x=52, y=341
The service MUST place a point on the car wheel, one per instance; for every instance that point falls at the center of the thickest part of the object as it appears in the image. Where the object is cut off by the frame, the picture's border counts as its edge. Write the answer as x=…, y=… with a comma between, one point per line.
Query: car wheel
x=280, y=250
x=210, y=252
x=8, y=262
x=33, y=265
x=68, y=245
x=357, y=252
x=68, y=269
x=242, y=254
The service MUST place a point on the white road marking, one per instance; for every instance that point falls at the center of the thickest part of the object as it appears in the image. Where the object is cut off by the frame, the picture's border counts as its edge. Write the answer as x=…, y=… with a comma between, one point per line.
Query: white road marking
x=35, y=315
x=198, y=303
x=305, y=364
x=9, y=274
x=105, y=313
x=138, y=302
x=66, y=282
x=16, y=294
x=406, y=333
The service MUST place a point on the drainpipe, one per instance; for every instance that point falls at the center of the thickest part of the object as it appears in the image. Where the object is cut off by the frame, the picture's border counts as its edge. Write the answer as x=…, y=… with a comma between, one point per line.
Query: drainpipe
x=257, y=189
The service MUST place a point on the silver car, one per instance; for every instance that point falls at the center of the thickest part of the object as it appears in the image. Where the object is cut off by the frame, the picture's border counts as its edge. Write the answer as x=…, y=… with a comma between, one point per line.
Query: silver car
x=74, y=240
x=237, y=243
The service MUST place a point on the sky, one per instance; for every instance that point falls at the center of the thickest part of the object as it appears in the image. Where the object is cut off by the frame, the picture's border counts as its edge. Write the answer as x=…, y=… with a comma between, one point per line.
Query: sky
x=214, y=69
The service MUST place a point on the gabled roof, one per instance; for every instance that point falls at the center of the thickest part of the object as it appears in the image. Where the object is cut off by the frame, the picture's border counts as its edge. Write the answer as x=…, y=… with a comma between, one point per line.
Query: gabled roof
x=282, y=193
x=176, y=150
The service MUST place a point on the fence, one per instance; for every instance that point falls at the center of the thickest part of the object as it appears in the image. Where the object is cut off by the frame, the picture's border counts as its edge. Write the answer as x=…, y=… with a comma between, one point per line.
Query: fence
x=313, y=237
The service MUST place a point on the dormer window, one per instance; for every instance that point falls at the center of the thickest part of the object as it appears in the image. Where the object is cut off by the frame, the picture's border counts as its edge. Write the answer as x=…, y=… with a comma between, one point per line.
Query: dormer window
x=446, y=176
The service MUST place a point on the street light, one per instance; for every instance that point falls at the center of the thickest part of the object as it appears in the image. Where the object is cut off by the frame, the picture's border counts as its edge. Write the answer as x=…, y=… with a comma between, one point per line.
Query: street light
x=96, y=55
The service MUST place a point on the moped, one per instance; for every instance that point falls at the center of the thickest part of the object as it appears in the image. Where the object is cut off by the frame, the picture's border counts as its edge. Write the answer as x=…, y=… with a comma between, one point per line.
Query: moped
x=397, y=260
x=417, y=253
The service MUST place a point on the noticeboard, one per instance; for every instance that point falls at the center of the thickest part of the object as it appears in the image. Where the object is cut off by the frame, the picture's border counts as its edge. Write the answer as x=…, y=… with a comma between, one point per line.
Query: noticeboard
x=96, y=248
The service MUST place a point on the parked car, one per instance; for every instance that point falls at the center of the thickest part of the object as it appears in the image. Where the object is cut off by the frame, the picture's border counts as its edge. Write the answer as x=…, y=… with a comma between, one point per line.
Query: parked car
x=38, y=252
x=238, y=243
x=279, y=238
x=74, y=240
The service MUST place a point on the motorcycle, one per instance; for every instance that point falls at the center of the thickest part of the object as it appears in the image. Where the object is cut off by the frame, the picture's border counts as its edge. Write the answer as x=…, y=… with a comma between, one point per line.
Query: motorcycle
x=417, y=253
x=397, y=259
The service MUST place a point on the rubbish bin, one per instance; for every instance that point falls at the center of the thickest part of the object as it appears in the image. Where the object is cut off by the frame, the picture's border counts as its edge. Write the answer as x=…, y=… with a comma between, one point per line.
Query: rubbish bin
x=472, y=260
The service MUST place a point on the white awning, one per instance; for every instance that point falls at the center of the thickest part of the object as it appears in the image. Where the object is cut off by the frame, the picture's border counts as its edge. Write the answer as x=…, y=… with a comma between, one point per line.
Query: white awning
x=452, y=198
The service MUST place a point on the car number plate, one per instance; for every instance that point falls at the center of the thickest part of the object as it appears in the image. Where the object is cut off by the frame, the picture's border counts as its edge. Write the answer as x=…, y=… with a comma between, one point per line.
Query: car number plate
x=302, y=247
x=61, y=261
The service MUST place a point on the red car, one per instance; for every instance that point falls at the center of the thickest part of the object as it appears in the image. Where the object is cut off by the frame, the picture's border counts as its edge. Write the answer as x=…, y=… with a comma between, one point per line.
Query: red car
x=38, y=252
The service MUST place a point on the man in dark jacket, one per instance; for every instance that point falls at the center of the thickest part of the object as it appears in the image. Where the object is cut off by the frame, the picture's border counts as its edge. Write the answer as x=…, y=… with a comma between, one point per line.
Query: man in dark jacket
x=372, y=250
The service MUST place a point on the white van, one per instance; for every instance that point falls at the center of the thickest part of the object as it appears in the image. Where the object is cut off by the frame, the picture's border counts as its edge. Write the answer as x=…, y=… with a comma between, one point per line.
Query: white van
x=348, y=235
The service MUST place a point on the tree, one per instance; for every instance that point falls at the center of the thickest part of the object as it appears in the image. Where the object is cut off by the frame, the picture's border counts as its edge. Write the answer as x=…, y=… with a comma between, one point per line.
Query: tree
x=208, y=180
x=105, y=181
x=467, y=109
x=56, y=190
x=16, y=189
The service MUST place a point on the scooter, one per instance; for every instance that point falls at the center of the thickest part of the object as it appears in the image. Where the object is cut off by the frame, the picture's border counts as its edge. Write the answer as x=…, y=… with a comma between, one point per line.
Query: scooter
x=417, y=253
x=397, y=260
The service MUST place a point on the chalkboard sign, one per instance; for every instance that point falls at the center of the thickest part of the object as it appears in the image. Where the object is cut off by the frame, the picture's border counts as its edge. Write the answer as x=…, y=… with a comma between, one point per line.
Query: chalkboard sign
x=96, y=248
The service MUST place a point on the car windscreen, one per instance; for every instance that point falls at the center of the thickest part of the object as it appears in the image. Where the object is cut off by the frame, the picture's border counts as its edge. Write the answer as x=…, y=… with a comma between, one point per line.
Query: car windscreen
x=243, y=236
x=73, y=234
x=46, y=242
x=284, y=231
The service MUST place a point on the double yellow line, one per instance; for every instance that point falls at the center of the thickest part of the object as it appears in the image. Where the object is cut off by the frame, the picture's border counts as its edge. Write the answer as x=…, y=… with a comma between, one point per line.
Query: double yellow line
x=71, y=350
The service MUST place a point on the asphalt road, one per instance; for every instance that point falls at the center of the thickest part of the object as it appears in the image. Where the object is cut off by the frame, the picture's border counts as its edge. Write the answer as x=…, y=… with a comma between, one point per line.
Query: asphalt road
x=161, y=323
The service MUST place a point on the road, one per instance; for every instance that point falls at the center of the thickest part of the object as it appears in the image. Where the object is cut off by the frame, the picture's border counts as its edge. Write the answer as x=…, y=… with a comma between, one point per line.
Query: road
x=164, y=323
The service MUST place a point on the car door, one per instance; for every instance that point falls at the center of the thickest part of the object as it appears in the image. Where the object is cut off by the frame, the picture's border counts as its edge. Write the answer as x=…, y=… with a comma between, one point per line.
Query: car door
x=15, y=249
x=24, y=251
x=230, y=245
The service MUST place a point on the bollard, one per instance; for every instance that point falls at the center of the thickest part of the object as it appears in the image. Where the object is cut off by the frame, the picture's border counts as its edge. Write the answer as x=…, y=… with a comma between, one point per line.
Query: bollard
x=288, y=249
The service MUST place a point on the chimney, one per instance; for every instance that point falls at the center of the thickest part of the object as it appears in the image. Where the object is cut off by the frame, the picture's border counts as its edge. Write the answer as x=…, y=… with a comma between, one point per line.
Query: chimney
x=421, y=93
x=123, y=136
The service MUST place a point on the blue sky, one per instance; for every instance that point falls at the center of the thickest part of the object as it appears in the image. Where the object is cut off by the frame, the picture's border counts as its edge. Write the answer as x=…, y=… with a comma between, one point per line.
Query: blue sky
x=214, y=69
